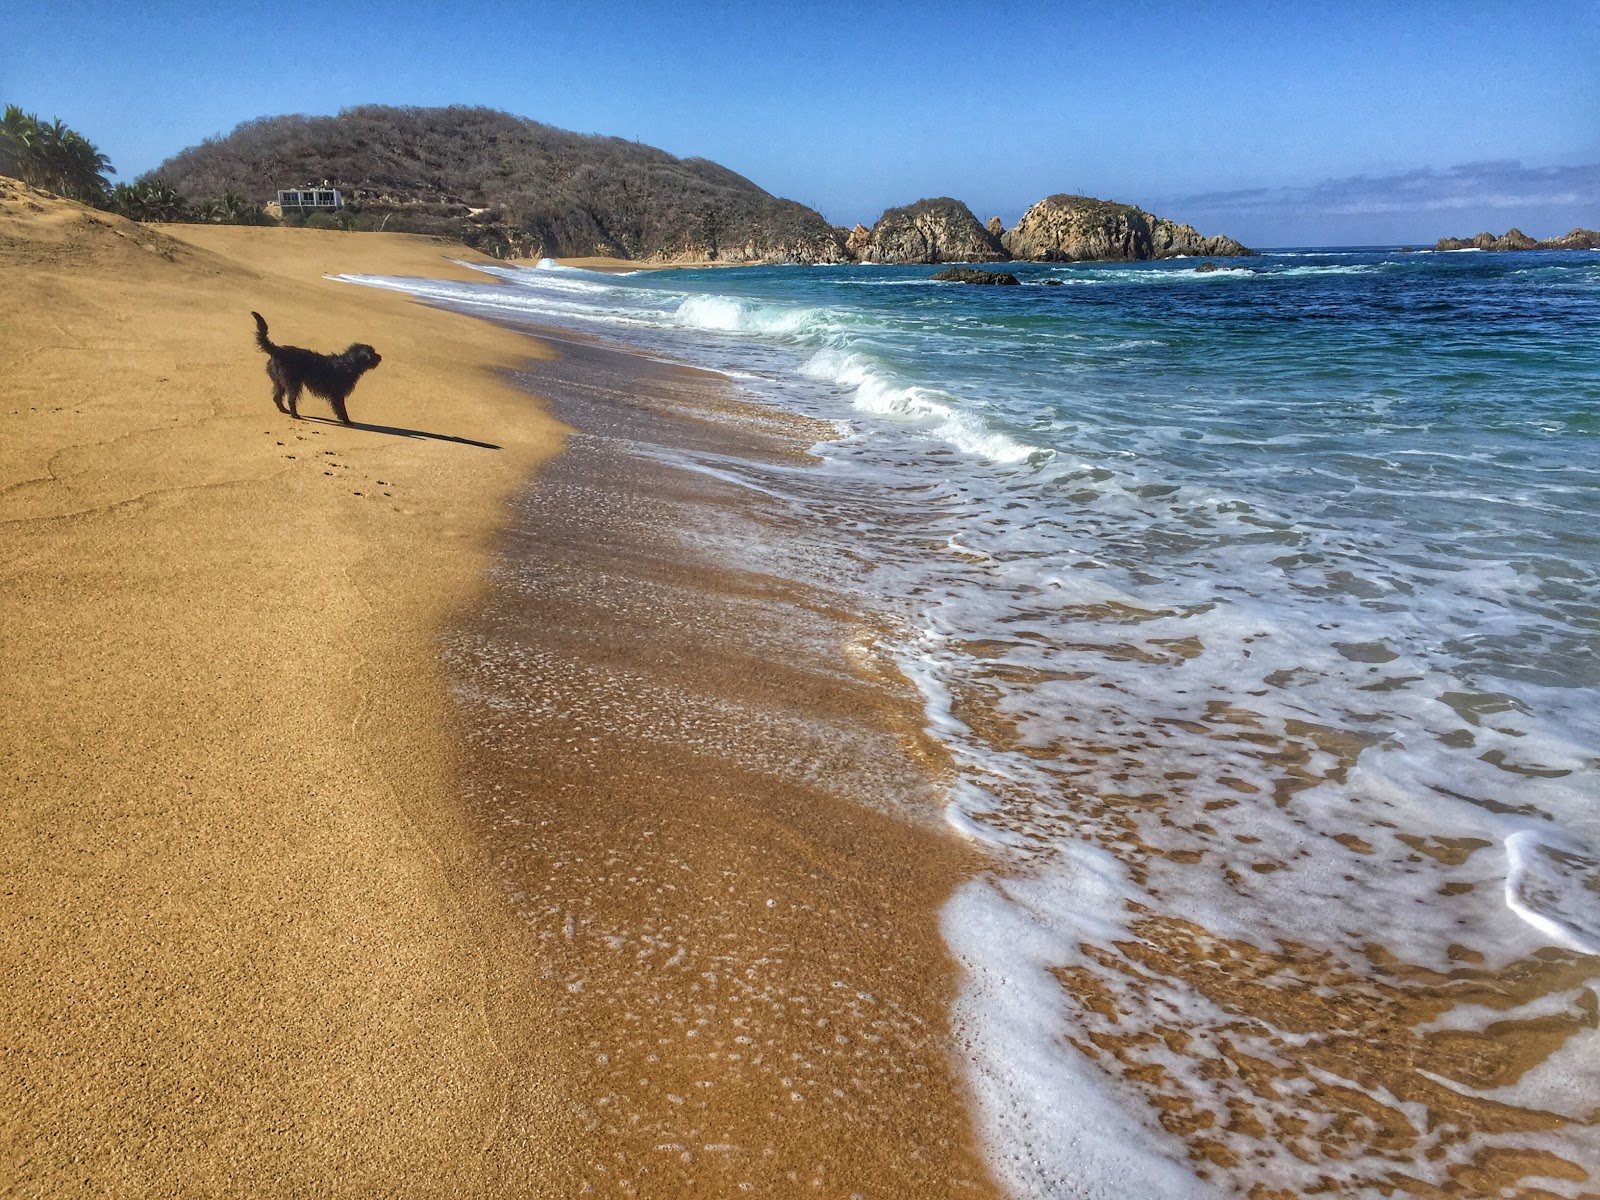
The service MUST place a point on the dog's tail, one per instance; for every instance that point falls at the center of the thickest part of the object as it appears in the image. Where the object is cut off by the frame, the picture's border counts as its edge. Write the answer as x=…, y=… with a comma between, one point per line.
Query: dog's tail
x=261, y=333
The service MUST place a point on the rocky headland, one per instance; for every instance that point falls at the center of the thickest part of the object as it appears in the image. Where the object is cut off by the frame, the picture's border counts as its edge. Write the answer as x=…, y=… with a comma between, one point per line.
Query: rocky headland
x=1057, y=229
x=940, y=230
x=1515, y=239
x=506, y=185
x=1065, y=228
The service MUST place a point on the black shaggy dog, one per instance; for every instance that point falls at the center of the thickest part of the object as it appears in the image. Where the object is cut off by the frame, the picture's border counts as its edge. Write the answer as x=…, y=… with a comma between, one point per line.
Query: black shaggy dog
x=331, y=376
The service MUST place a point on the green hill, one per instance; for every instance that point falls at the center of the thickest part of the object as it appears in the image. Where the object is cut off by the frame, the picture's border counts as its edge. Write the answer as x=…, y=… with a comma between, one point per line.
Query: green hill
x=508, y=185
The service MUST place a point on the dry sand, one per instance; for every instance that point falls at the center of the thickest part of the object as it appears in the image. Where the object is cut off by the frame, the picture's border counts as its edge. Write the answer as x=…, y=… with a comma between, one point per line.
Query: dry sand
x=245, y=942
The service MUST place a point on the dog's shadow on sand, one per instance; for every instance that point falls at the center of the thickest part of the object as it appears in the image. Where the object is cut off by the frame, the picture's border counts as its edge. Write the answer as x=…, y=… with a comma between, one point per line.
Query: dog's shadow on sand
x=396, y=431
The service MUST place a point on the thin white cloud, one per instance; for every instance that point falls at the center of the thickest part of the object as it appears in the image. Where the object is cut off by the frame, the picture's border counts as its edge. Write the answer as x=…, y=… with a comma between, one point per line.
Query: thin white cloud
x=1472, y=185
x=1480, y=194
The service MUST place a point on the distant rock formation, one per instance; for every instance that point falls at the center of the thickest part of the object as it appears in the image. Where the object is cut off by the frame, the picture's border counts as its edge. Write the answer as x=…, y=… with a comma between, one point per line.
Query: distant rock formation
x=855, y=243
x=931, y=231
x=973, y=275
x=1515, y=239
x=1082, y=229
x=996, y=228
x=1577, y=239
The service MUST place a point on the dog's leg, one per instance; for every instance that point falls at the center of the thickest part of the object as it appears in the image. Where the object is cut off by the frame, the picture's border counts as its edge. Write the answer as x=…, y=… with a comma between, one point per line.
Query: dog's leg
x=338, y=408
x=294, y=399
x=278, y=388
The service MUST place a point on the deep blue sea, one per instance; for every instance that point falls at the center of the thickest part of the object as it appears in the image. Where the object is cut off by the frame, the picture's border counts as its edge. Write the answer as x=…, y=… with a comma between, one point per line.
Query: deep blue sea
x=1259, y=610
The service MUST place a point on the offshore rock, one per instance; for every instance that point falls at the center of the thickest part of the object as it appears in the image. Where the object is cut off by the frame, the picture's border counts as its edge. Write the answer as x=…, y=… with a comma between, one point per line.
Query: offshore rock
x=1578, y=239
x=1515, y=239
x=996, y=228
x=855, y=243
x=1082, y=229
x=931, y=231
x=973, y=275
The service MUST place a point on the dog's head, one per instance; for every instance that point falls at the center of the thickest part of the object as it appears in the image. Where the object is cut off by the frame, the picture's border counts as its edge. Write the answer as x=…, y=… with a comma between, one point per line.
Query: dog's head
x=362, y=356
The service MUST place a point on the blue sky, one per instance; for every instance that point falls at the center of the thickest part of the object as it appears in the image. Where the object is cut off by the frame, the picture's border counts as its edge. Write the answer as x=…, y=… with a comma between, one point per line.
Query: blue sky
x=1279, y=123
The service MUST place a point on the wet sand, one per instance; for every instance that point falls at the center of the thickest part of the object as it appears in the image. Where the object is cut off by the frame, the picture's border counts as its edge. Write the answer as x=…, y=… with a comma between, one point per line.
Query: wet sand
x=717, y=812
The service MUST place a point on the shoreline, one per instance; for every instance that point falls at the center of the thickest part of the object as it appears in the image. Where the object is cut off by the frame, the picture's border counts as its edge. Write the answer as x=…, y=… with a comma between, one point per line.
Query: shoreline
x=717, y=811
x=248, y=937
x=1176, y=1038
x=633, y=266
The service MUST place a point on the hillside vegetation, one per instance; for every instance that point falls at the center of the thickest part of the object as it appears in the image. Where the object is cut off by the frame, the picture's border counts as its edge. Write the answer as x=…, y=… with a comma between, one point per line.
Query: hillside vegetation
x=508, y=185
x=516, y=188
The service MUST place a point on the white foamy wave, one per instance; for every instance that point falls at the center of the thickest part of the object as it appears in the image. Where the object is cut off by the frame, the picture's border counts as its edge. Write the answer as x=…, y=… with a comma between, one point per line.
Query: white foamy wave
x=1555, y=887
x=1316, y=253
x=725, y=314
x=878, y=391
x=558, y=299
x=552, y=266
x=1055, y=1126
x=1353, y=269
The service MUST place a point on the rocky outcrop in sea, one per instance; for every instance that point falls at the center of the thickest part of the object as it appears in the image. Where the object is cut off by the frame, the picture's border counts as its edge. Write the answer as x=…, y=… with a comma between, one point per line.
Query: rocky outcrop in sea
x=1082, y=229
x=974, y=275
x=1515, y=239
x=931, y=231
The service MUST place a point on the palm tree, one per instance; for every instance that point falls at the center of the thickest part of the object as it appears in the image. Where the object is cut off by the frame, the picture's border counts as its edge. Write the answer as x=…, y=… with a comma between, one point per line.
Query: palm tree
x=236, y=210
x=149, y=200
x=162, y=201
x=53, y=156
x=19, y=144
x=84, y=170
x=52, y=152
x=126, y=200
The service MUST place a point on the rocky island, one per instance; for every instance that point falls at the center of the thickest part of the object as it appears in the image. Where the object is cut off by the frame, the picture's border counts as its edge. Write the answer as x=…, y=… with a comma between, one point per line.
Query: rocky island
x=1082, y=229
x=1515, y=239
x=974, y=275
x=931, y=231
x=1057, y=229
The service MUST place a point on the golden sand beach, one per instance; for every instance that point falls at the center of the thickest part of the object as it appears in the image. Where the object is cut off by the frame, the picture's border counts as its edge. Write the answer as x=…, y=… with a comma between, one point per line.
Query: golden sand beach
x=254, y=940
x=245, y=943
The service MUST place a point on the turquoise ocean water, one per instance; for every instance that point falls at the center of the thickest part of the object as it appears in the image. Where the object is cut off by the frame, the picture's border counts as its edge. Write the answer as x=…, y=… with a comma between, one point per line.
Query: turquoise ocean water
x=1262, y=603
